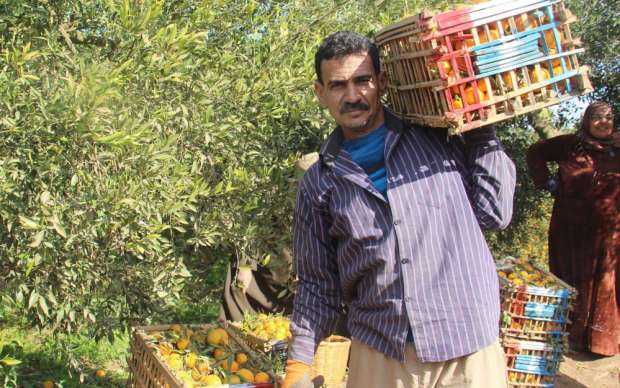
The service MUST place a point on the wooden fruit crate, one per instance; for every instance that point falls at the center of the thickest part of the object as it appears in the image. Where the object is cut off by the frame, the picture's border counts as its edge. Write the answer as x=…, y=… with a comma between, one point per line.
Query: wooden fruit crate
x=482, y=64
x=147, y=369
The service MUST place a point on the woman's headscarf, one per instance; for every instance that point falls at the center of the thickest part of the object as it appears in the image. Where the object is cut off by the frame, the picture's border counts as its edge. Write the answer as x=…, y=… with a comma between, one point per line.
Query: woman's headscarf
x=587, y=141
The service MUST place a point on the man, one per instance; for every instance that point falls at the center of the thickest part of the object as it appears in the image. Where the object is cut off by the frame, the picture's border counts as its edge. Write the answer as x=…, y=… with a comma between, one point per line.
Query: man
x=389, y=221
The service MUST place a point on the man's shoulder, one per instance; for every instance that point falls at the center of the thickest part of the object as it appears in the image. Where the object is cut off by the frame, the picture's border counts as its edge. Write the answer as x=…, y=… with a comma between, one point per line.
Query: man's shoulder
x=313, y=174
x=400, y=124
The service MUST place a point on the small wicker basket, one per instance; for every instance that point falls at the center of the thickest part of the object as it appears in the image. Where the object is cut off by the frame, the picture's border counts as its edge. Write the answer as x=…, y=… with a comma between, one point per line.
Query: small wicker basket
x=330, y=361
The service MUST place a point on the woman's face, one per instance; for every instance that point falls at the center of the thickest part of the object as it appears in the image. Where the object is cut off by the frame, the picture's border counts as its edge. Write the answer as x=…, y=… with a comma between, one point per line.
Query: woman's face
x=602, y=123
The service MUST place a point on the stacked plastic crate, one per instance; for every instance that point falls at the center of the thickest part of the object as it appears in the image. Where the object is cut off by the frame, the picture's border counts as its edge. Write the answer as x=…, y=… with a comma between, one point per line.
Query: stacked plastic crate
x=535, y=315
x=482, y=64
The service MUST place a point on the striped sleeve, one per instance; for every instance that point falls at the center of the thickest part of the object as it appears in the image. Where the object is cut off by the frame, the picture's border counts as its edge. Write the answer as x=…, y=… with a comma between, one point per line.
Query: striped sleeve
x=318, y=300
x=491, y=179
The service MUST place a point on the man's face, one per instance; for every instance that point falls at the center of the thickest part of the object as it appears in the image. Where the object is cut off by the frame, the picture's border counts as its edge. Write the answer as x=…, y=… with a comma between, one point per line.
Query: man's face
x=602, y=123
x=351, y=91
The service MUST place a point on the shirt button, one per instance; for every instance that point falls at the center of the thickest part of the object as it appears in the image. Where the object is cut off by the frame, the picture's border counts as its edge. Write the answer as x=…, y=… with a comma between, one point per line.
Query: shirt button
x=404, y=261
x=396, y=222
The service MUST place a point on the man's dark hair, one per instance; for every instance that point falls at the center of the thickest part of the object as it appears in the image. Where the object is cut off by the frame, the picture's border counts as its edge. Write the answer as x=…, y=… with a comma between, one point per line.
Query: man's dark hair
x=342, y=43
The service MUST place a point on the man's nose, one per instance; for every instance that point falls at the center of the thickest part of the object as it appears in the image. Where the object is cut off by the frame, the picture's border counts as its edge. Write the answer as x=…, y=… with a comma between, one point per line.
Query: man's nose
x=351, y=93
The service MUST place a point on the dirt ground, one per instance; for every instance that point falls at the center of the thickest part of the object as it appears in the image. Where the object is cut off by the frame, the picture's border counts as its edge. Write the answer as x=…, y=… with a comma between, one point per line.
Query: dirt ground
x=587, y=370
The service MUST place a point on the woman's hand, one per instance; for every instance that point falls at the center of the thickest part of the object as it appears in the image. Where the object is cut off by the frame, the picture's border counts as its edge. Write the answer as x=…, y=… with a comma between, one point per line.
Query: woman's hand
x=552, y=186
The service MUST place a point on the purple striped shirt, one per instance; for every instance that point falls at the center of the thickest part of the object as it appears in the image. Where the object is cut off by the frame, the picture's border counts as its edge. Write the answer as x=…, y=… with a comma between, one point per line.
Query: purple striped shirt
x=416, y=261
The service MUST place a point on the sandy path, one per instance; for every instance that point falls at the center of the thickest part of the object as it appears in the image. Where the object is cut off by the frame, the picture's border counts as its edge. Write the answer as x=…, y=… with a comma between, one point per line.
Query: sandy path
x=586, y=370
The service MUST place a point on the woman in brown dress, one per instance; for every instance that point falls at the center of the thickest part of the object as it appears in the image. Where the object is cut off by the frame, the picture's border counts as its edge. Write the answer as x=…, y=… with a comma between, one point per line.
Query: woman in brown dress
x=584, y=234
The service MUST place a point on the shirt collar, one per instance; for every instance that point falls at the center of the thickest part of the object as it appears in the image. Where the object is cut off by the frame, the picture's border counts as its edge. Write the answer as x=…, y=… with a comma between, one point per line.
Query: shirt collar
x=331, y=148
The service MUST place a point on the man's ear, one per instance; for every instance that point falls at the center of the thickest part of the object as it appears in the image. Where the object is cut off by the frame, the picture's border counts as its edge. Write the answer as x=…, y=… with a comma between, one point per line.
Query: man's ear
x=319, y=88
x=382, y=82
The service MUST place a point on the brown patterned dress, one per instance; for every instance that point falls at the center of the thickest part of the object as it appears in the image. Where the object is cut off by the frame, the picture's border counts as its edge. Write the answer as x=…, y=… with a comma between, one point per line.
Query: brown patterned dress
x=584, y=234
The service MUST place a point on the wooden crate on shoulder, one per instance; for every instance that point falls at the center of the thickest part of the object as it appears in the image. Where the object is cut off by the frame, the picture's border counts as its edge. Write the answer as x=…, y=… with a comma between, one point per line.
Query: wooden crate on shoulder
x=482, y=64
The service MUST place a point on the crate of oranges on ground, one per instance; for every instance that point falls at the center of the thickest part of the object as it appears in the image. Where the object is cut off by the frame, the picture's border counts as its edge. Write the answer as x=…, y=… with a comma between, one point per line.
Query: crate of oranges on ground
x=535, y=314
x=270, y=334
x=532, y=363
x=482, y=63
x=179, y=356
x=535, y=303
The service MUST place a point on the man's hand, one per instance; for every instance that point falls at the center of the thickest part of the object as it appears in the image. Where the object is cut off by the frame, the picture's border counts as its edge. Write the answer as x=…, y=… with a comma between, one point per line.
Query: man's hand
x=481, y=135
x=297, y=375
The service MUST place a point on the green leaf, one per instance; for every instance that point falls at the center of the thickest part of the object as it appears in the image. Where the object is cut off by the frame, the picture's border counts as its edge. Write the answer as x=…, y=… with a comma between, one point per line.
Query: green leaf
x=8, y=361
x=57, y=226
x=32, y=301
x=43, y=306
x=28, y=223
x=38, y=238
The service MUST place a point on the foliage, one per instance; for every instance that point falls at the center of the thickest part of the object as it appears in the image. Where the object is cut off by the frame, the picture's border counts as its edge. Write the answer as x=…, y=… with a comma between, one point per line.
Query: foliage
x=68, y=360
x=145, y=143
x=527, y=235
x=599, y=27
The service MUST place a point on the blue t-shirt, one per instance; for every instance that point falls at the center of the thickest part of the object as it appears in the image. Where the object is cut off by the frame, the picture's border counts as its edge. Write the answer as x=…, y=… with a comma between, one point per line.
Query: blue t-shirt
x=367, y=152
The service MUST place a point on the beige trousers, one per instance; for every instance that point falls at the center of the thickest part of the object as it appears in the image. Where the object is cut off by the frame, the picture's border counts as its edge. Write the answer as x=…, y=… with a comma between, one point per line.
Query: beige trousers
x=369, y=368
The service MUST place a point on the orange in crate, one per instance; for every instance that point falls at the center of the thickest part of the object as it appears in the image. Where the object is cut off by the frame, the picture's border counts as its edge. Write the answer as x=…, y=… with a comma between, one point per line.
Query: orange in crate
x=521, y=55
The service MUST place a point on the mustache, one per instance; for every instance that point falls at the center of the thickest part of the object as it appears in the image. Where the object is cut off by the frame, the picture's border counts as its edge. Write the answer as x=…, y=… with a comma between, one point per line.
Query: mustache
x=348, y=107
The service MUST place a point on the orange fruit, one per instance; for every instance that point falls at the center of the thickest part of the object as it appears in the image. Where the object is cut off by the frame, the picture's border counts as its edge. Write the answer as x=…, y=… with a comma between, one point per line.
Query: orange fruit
x=233, y=366
x=530, y=22
x=203, y=367
x=100, y=373
x=262, y=377
x=457, y=102
x=234, y=379
x=508, y=80
x=217, y=337
x=190, y=360
x=48, y=384
x=219, y=353
x=182, y=344
x=211, y=380
x=493, y=35
x=470, y=96
x=246, y=375
x=534, y=75
x=550, y=39
x=196, y=376
x=241, y=358
x=164, y=348
x=174, y=361
x=447, y=68
x=280, y=334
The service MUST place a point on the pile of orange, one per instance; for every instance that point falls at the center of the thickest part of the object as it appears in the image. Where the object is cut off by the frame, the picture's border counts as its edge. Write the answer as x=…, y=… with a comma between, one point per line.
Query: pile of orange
x=524, y=273
x=470, y=95
x=268, y=327
x=203, y=358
